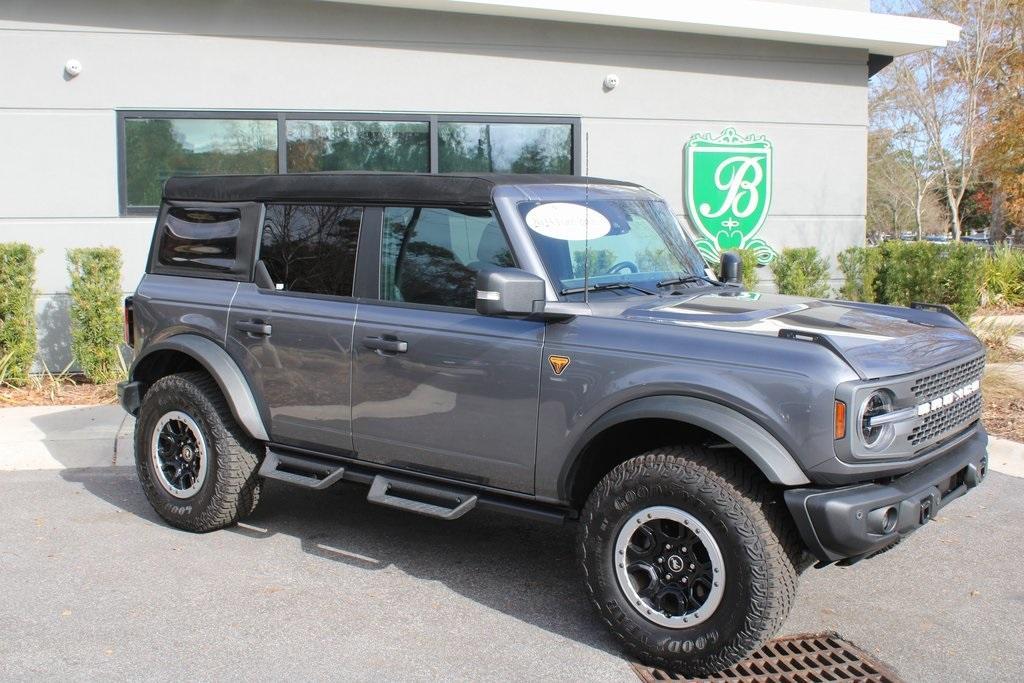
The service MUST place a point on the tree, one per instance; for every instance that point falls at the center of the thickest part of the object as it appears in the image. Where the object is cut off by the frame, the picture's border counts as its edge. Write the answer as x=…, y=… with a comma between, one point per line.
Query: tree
x=943, y=91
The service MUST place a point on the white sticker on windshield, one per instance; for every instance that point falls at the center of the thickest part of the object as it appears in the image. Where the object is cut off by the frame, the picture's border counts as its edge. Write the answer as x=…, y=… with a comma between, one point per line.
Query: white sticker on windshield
x=566, y=221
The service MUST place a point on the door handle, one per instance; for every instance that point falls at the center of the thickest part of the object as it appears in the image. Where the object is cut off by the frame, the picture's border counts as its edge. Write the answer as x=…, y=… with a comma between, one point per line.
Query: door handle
x=386, y=345
x=256, y=328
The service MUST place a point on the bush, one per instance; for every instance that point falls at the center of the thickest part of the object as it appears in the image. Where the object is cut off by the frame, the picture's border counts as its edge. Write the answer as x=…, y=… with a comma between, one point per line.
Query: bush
x=17, y=312
x=859, y=266
x=950, y=274
x=1004, y=278
x=801, y=272
x=96, y=312
x=963, y=275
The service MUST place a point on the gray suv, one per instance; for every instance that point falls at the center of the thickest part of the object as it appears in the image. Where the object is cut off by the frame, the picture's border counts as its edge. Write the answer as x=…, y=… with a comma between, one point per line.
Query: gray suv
x=552, y=347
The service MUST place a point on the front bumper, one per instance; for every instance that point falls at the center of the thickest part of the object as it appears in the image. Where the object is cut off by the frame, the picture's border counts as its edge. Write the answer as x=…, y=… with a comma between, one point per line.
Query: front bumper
x=129, y=394
x=849, y=523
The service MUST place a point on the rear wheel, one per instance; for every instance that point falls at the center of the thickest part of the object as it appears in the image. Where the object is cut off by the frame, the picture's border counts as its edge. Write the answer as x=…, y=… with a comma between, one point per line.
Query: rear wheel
x=689, y=558
x=197, y=467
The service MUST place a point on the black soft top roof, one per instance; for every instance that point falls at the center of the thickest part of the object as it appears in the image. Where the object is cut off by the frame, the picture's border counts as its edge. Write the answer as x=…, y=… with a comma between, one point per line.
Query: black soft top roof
x=370, y=188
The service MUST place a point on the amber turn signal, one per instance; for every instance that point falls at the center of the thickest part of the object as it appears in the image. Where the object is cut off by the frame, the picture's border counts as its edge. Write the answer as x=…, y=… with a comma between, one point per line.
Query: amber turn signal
x=840, y=420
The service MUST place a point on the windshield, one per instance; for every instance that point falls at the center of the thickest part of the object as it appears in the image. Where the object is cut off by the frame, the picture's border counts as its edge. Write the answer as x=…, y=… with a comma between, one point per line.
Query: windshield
x=632, y=241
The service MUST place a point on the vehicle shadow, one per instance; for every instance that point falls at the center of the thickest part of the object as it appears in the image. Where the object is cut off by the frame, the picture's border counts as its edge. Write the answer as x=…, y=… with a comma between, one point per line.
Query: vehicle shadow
x=524, y=569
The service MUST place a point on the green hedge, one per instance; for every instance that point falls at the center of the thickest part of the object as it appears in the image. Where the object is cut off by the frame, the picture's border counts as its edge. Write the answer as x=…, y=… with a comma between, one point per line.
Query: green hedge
x=950, y=274
x=17, y=312
x=859, y=266
x=801, y=272
x=97, y=324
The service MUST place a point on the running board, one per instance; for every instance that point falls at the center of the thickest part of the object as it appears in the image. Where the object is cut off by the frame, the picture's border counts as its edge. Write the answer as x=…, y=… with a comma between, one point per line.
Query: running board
x=424, y=499
x=301, y=470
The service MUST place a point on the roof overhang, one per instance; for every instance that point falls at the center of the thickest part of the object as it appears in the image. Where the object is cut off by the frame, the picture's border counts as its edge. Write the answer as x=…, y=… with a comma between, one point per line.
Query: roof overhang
x=882, y=34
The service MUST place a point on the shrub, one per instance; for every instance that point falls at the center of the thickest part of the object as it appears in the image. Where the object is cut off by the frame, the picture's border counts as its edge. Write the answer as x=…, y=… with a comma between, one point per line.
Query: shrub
x=17, y=312
x=859, y=266
x=96, y=312
x=909, y=272
x=963, y=274
x=950, y=274
x=801, y=272
x=1004, y=278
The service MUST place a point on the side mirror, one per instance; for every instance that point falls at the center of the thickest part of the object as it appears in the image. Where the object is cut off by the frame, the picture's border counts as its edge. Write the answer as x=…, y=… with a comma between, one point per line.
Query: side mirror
x=729, y=267
x=508, y=291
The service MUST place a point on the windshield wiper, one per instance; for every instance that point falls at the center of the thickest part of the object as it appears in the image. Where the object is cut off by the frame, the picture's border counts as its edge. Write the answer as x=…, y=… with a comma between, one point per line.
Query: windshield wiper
x=686, y=279
x=602, y=287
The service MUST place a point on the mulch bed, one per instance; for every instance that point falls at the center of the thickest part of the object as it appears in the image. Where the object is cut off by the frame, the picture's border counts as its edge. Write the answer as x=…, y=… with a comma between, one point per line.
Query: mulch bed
x=57, y=391
x=1003, y=412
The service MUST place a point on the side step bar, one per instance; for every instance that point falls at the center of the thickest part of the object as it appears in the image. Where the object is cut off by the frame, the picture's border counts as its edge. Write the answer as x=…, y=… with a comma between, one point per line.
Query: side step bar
x=425, y=499
x=312, y=473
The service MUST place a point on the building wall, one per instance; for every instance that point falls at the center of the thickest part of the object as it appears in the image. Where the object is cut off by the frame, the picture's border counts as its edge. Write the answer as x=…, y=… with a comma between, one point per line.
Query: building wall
x=59, y=179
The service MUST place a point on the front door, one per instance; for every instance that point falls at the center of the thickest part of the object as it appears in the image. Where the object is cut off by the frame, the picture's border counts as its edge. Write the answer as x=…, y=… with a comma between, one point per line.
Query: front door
x=436, y=387
x=292, y=337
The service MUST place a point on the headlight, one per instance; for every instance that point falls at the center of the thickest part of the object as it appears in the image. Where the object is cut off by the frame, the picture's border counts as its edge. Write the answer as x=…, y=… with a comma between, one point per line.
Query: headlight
x=876, y=436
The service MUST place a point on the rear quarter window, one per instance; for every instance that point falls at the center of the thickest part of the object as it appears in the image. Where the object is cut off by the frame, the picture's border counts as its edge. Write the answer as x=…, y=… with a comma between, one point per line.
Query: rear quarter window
x=205, y=242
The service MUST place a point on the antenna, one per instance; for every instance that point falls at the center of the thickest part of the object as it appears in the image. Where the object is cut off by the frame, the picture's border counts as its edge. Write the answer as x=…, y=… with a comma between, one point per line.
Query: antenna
x=586, y=220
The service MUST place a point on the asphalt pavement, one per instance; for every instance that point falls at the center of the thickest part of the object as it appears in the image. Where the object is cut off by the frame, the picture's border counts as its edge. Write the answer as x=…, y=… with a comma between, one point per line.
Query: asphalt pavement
x=323, y=585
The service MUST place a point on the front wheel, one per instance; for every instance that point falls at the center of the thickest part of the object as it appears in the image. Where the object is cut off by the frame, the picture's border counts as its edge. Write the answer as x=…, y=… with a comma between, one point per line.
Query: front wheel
x=689, y=558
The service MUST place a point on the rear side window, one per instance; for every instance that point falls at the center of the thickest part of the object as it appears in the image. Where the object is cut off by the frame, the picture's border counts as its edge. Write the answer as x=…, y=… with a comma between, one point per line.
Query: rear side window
x=200, y=239
x=311, y=248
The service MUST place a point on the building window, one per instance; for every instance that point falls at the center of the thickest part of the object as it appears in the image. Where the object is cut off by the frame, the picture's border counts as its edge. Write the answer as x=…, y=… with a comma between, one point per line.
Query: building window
x=358, y=146
x=157, y=148
x=153, y=146
x=504, y=147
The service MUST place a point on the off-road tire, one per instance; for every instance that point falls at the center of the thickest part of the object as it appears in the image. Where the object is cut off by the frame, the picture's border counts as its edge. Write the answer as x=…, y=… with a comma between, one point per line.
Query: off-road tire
x=232, y=486
x=751, y=527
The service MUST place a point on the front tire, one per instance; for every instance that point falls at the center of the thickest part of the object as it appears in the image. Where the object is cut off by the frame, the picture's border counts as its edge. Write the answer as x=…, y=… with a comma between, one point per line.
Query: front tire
x=689, y=558
x=197, y=467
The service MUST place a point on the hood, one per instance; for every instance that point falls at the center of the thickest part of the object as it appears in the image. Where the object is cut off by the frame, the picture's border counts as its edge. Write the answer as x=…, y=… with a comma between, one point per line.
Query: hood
x=876, y=341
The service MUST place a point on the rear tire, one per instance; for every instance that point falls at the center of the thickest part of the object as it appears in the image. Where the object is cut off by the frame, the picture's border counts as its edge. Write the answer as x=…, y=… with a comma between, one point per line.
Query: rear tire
x=197, y=467
x=707, y=516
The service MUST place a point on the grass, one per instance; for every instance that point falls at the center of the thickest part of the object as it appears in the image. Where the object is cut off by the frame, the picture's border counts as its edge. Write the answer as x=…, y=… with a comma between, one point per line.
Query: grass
x=1003, y=411
x=997, y=338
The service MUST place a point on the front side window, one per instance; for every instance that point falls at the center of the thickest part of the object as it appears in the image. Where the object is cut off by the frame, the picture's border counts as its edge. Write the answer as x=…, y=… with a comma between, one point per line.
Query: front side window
x=358, y=146
x=157, y=148
x=311, y=247
x=622, y=240
x=504, y=147
x=431, y=256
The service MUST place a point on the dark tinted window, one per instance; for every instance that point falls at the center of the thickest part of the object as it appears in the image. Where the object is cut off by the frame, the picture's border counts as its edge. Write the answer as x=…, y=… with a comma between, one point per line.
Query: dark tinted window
x=311, y=248
x=358, y=146
x=200, y=238
x=431, y=256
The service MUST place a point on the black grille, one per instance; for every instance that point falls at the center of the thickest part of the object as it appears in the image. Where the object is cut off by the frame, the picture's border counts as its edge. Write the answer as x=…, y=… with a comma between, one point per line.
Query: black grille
x=805, y=658
x=933, y=386
x=945, y=420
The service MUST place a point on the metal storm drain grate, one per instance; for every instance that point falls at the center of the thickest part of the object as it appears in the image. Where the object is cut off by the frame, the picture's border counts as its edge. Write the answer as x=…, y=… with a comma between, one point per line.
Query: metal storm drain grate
x=806, y=658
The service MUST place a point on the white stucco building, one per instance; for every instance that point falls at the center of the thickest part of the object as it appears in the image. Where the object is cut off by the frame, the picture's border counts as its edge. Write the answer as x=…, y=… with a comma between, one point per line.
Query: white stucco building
x=426, y=85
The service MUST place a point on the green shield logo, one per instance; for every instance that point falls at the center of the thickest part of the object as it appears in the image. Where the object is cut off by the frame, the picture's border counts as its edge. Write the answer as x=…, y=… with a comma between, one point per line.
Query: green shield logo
x=728, y=192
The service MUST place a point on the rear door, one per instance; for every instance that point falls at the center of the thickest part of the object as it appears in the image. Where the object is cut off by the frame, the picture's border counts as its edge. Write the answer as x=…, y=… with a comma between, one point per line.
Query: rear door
x=293, y=339
x=436, y=387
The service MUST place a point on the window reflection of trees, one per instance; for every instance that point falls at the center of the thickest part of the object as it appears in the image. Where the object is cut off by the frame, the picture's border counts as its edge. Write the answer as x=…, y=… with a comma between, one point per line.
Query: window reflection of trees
x=311, y=248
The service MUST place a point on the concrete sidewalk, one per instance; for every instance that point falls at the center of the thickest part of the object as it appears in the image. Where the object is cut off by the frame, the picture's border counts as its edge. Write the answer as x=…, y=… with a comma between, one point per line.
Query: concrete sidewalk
x=69, y=437
x=65, y=437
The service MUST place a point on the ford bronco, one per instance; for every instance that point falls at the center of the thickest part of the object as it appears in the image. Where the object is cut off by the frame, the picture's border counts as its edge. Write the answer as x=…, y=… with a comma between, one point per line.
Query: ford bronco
x=553, y=347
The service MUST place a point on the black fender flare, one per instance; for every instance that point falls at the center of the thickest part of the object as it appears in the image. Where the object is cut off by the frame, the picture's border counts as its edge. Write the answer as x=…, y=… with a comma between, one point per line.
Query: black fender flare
x=753, y=440
x=216, y=361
